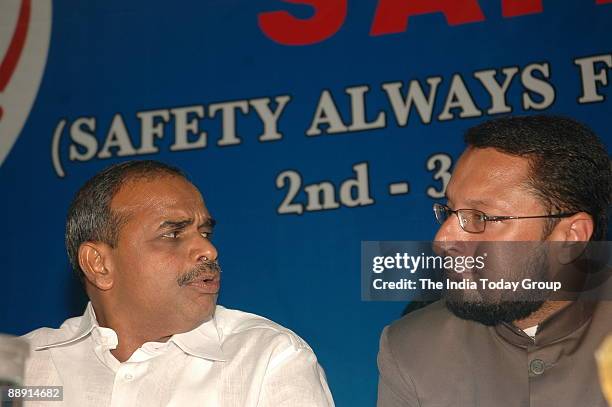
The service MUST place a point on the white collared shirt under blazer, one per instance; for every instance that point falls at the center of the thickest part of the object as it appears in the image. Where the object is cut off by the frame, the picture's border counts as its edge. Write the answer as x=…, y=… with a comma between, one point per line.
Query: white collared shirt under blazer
x=235, y=359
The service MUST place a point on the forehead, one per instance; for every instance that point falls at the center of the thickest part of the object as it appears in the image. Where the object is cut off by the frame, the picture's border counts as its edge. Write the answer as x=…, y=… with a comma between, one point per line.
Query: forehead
x=159, y=197
x=489, y=178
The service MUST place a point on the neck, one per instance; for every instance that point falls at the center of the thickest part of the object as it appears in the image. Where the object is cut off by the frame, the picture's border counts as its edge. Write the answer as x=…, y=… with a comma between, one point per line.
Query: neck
x=545, y=311
x=130, y=336
x=128, y=345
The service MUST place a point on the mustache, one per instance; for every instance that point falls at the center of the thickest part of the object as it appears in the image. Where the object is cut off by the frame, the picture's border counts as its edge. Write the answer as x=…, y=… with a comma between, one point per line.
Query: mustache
x=204, y=267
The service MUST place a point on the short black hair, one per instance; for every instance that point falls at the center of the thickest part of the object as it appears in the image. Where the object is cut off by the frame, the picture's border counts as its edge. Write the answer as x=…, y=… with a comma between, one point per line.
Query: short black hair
x=90, y=218
x=569, y=165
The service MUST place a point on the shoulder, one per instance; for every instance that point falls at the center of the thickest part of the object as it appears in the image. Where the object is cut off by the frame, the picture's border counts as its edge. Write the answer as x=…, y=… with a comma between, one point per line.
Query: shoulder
x=44, y=336
x=40, y=367
x=430, y=328
x=233, y=323
x=422, y=323
x=277, y=362
x=239, y=327
x=416, y=347
x=407, y=347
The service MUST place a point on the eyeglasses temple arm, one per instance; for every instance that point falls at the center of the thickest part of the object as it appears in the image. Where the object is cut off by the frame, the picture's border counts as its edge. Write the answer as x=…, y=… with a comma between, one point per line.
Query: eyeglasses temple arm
x=556, y=215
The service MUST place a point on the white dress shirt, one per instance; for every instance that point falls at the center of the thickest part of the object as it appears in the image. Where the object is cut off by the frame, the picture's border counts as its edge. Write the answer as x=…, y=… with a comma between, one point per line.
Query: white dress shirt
x=235, y=359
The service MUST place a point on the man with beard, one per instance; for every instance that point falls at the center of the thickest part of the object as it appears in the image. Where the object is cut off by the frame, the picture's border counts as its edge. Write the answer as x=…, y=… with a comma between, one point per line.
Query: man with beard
x=138, y=234
x=535, y=180
x=502, y=289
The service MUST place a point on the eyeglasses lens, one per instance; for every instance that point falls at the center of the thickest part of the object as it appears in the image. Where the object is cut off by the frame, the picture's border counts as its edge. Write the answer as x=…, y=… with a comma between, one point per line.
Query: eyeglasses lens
x=471, y=221
x=441, y=212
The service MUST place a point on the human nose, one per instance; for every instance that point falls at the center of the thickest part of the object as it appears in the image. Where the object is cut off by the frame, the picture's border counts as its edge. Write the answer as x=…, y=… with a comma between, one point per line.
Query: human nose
x=203, y=248
x=452, y=240
x=450, y=230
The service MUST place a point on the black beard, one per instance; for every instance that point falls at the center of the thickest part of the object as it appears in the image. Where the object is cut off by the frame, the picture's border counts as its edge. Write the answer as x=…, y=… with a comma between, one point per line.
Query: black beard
x=511, y=307
x=493, y=314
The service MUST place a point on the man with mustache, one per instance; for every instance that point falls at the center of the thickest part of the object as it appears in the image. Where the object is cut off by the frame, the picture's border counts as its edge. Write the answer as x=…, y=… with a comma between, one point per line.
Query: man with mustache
x=522, y=181
x=138, y=234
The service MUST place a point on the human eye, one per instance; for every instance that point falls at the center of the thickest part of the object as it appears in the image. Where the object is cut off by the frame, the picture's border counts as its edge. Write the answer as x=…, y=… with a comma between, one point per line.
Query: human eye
x=206, y=234
x=472, y=217
x=172, y=235
x=494, y=219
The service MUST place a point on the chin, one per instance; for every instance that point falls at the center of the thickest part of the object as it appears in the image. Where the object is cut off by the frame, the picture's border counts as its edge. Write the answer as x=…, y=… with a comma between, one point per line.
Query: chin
x=204, y=311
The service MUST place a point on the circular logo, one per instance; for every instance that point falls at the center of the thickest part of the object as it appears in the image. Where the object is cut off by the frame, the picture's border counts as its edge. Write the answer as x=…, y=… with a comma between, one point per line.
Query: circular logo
x=25, y=31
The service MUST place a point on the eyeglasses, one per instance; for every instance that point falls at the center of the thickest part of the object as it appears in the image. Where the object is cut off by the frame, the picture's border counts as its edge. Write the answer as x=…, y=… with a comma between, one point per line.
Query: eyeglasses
x=474, y=221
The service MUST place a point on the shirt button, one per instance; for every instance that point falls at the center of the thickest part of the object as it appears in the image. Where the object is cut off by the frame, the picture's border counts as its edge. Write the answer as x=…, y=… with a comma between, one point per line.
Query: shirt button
x=128, y=376
x=536, y=367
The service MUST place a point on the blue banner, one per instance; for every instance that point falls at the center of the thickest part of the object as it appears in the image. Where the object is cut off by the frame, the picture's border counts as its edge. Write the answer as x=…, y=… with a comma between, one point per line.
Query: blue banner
x=308, y=125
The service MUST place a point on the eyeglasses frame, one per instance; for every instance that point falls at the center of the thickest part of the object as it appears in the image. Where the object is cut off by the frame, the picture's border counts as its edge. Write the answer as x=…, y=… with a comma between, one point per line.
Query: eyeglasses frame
x=487, y=218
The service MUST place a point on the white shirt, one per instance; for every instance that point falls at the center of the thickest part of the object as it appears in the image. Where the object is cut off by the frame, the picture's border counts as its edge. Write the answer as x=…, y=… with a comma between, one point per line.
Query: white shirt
x=235, y=359
x=531, y=331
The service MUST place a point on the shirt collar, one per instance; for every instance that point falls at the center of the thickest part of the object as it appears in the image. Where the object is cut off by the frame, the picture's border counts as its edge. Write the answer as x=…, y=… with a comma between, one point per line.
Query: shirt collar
x=87, y=324
x=566, y=320
x=555, y=327
x=203, y=341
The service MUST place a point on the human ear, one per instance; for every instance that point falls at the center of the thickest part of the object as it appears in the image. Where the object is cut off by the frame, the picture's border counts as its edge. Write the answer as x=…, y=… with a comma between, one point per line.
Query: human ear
x=575, y=231
x=576, y=228
x=580, y=227
x=94, y=261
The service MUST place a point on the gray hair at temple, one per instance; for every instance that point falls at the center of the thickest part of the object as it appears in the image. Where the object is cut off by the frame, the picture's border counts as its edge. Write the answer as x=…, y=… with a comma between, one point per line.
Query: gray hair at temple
x=569, y=165
x=90, y=217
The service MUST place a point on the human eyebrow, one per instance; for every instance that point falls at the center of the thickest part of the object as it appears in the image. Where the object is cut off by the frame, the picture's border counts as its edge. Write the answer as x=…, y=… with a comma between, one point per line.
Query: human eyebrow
x=449, y=201
x=477, y=203
x=209, y=222
x=486, y=204
x=175, y=224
